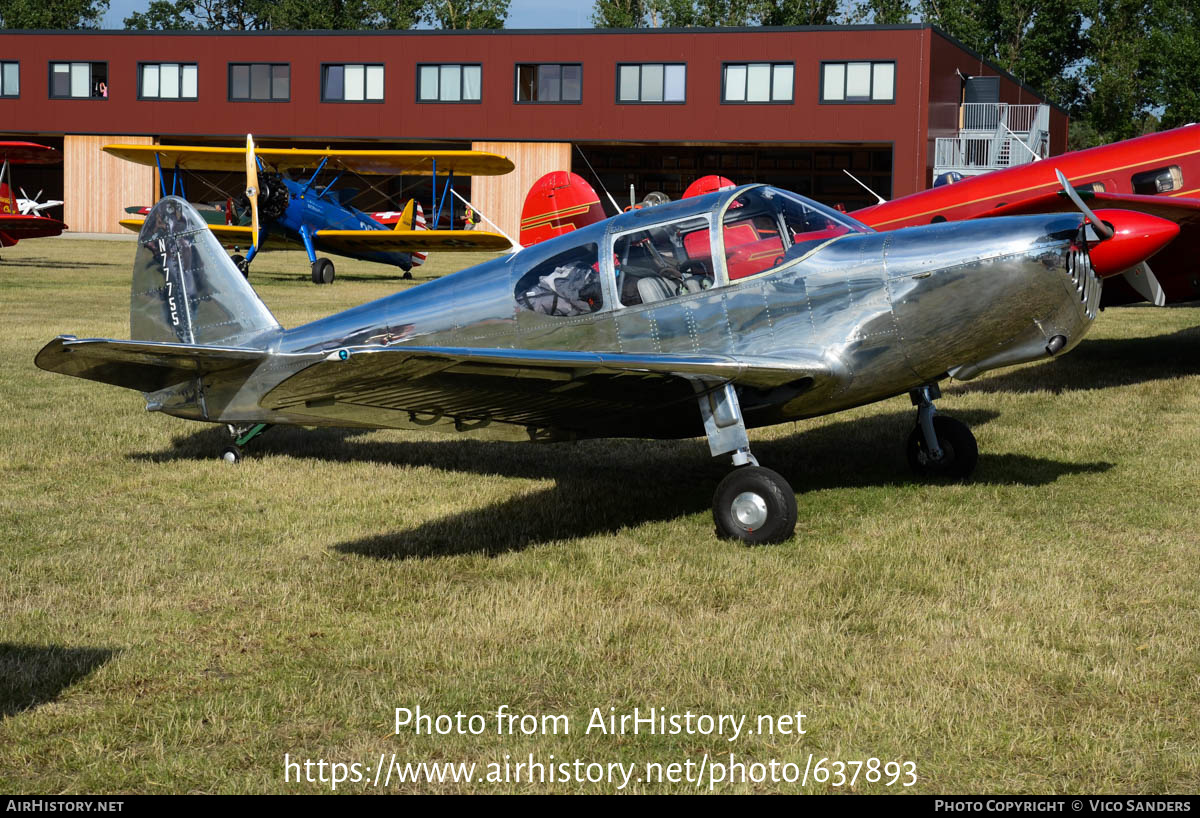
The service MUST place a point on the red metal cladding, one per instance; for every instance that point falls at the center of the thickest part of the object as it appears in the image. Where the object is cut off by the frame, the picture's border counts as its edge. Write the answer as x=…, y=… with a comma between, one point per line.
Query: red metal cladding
x=1138, y=237
x=558, y=203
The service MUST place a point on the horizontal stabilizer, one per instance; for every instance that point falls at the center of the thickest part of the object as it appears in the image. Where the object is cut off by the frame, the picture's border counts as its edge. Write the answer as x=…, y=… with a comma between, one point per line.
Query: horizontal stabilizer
x=146, y=366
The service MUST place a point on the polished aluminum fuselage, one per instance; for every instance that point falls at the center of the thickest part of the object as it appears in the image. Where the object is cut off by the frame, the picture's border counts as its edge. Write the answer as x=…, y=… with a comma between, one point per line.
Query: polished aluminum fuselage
x=887, y=312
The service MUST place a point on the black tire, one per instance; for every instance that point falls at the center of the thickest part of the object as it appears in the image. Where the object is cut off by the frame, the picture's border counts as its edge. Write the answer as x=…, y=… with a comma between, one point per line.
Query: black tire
x=231, y=454
x=758, y=491
x=240, y=262
x=960, y=452
x=322, y=271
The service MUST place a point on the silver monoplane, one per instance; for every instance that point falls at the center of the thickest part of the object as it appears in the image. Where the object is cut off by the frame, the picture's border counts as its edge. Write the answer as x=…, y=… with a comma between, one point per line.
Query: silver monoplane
x=708, y=316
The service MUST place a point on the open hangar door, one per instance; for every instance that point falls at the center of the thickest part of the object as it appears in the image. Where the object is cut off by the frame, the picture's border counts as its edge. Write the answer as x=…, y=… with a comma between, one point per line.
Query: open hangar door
x=32, y=178
x=816, y=171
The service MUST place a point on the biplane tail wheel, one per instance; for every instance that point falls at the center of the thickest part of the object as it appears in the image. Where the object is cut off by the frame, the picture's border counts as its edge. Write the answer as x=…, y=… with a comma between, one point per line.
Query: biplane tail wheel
x=754, y=505
x=322, y=271
x=242, y=265
x=960, y=452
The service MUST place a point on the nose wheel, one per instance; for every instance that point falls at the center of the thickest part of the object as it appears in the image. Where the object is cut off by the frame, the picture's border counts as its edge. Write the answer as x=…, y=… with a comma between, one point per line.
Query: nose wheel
x=322, y=271
x=755, y=505
x=939, y=447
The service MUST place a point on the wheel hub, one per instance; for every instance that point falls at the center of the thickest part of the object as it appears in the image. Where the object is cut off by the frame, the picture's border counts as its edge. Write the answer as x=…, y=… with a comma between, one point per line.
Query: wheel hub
x=749, y=510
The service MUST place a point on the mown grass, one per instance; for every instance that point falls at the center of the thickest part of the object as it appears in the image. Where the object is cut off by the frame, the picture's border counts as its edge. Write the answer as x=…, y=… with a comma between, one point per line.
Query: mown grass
x=169, y=623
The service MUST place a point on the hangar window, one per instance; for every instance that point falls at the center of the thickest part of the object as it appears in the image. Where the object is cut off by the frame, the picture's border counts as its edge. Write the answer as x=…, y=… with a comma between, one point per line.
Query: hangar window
x=10, y=79
x=651, y=82
x=260, y=82
x=757, y=82
x=766, y=227
x=564, y=285
x=549, y=82
x=858, y=82
x=452, y=82
x=663, y=261
x=1159, y=180
x=78, y=80
x=351, y=82
x=167, y=80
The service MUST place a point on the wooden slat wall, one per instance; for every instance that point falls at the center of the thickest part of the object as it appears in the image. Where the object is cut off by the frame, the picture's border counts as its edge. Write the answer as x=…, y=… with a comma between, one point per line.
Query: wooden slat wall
x=500, y=198
x=97, y=187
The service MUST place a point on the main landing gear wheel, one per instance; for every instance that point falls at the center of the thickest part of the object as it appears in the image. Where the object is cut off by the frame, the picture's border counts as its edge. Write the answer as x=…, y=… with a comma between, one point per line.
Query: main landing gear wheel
x=959, y=451
x=754, y=505
x=322, y=271
x=242, y=265
x=231, y=454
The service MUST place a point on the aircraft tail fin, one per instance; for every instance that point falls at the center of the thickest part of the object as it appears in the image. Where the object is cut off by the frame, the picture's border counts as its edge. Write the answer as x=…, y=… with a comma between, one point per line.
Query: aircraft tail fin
x=413, y=218
x=558, y=203
x=186, y=290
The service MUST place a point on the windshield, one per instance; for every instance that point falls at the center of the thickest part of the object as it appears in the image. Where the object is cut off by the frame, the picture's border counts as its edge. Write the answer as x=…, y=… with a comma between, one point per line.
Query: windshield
x=765, y=227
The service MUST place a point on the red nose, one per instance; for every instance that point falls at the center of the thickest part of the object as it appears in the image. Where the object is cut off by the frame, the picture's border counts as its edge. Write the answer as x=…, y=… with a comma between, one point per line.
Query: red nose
x=1137, y=237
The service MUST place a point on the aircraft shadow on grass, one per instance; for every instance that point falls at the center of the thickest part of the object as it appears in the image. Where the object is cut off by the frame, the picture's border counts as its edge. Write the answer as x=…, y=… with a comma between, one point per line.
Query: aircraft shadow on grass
x=32, y=675
x=55, y=264
x=1102, y=364
x=604, y=486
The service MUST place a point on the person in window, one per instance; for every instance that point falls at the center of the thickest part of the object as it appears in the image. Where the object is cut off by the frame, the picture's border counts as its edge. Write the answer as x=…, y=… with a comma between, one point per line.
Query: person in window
x=569, y=289
x=101, y=90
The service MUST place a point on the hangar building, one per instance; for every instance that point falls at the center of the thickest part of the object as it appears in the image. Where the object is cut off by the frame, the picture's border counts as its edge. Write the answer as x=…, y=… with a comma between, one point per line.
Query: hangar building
x=654, y=108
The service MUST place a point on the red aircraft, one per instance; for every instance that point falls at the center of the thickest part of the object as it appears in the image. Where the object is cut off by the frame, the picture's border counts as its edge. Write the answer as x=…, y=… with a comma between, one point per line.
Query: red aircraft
x=1158, y=174
x=15, y=225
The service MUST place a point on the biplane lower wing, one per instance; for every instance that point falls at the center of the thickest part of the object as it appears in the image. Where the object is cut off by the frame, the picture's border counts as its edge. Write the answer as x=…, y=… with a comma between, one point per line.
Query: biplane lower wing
x=586, y=393
x=360, y=241
x=19, y=226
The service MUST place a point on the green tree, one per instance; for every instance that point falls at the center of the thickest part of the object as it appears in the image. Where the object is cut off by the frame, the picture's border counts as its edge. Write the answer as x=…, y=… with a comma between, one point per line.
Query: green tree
x=704, y=13
x=882, y=12
x=1121, y=87
x=452, y=14
x=796, y=12
x=619, y=13
x=1176, y=39
x=52, y=14
x=1041, y=42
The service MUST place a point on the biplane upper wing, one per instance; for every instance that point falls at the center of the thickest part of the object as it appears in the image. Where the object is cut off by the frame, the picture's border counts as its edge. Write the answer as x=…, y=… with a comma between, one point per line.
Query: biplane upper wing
x=18, y=226
x=587, y=392
x=381, y=163
x=29, y=153
x=361, y=241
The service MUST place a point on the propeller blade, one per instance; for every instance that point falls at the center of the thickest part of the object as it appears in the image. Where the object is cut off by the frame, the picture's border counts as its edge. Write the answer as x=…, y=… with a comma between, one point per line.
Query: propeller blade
x=1102, y=229
x=1142, y=279
x=252, y=190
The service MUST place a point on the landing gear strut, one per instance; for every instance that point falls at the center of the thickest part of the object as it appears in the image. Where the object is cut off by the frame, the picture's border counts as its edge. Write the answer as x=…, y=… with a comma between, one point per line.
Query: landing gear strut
x=241, y=436
x=939, y=447
x=752, y=504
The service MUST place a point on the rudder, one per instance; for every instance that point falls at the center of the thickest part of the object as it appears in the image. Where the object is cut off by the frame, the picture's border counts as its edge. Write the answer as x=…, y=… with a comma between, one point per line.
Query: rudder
x=185, y=287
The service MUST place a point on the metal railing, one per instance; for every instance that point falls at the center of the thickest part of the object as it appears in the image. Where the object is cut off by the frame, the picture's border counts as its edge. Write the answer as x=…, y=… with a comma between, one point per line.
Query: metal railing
x=994, y=136
x=986, y=116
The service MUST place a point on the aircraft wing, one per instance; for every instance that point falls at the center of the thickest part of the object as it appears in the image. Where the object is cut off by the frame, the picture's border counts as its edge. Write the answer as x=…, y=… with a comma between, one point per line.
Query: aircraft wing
x=408, y=241
x=1178, y=209
x=587, y=393
x=383, y=163
x=29, y=153
x=28, y=226
x=350, y=241
x=146, y=366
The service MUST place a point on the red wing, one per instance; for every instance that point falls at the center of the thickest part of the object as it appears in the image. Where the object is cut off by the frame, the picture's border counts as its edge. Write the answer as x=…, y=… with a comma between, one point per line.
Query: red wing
x=558, y=203
x=1178, y=209
x=29, y=153
x=29, y=227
